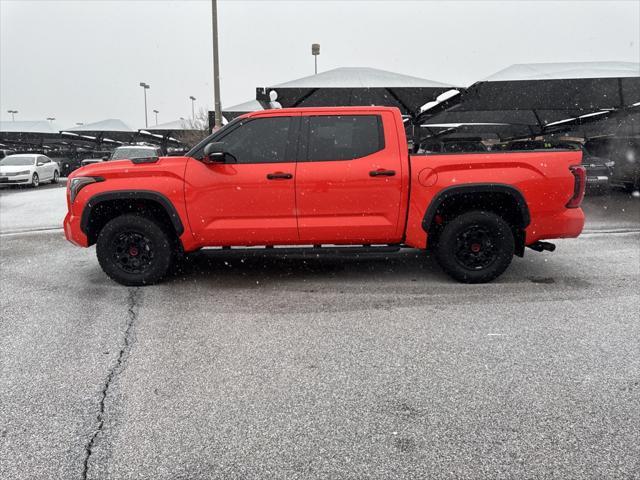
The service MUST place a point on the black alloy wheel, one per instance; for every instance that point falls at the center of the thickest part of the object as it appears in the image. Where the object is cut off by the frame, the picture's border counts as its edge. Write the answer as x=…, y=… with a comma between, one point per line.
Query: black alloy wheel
x=475, y=247
x=135, y=250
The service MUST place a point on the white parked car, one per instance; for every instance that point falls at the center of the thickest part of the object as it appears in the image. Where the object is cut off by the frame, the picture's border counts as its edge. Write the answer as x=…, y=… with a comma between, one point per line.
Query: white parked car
x=28, y=169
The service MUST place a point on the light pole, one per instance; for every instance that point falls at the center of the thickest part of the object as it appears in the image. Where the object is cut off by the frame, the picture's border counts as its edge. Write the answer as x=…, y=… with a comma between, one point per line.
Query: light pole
x=315, y=51
x=145, y=88
x=79, y=124
x=216, y=74
x=13, y=114
x=51, y=119
x=156, y=112
x=193, y=110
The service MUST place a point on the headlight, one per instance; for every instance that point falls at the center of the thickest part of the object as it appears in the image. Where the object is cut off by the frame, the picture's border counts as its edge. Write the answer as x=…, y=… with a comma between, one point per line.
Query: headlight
x=23, y=172
x=610, y=164
x=79, y=183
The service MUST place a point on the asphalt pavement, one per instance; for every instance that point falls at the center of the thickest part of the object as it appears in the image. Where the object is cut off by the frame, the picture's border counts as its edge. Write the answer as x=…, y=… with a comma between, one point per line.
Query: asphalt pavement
x=273, y=366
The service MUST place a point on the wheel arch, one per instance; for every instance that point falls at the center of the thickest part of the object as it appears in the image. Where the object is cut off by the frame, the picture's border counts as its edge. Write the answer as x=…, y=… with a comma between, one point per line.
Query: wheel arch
x=469, y=191
x=103, y=206
x=502, y=199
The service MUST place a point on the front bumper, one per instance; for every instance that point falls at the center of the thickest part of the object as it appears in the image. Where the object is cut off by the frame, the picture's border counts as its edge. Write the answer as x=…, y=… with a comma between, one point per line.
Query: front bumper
x=73, y=232
x=14, y=179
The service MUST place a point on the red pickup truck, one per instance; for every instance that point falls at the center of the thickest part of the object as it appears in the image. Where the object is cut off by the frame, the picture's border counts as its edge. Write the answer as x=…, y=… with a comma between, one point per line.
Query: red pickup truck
x=319, y=178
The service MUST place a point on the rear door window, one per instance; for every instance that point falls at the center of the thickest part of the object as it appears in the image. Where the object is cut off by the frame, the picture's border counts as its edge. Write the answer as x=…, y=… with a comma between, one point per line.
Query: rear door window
x=343, y=137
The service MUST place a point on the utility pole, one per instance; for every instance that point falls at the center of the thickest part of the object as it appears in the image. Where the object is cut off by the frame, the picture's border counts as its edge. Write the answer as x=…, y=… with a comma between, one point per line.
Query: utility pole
x=145, y=88
x=216, y=74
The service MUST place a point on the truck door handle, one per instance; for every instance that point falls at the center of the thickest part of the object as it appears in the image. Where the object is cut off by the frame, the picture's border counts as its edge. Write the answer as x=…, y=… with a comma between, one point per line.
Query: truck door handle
x=381, y=172
x=279, y=176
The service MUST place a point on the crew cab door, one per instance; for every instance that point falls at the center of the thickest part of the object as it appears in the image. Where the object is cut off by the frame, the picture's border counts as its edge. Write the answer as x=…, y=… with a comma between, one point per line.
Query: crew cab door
x=249, y=199
x=349, y=179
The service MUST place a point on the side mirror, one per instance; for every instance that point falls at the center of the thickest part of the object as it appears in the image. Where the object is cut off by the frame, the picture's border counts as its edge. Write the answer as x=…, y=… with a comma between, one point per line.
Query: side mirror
x=39, y=164
x=105, y=158
x=214, y=153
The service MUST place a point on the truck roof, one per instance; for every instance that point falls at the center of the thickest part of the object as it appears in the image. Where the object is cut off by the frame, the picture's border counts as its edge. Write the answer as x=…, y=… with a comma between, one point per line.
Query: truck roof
x=337, y=110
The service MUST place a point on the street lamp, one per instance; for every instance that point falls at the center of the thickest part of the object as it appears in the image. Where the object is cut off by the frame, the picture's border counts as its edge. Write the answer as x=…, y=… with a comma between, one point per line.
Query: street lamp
x=156, y=112
x=315, y=51
x=51, y=119
x=145, y=87
x=13, y=114
x=193, y=110
x=79, y=124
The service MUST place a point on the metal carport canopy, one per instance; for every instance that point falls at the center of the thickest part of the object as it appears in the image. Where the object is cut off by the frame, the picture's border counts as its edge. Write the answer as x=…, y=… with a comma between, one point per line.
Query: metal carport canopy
x=113, y=129
x=234, y=111
x=355, y=86
x=31, y=134
x=582, y=86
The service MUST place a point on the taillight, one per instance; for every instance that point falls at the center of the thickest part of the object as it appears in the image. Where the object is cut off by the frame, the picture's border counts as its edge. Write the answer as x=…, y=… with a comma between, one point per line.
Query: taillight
x=579, y=184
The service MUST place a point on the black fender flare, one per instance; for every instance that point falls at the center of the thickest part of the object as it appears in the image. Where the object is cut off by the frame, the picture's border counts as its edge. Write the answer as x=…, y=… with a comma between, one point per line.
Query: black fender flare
x=473, y=188
x=131, y=195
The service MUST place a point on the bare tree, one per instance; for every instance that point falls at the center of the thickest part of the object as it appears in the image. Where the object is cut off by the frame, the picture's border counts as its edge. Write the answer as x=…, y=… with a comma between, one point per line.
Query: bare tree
x=195, y=129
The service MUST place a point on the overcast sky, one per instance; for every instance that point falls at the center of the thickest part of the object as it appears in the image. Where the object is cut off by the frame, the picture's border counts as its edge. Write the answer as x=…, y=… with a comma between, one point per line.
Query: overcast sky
x=82, y=61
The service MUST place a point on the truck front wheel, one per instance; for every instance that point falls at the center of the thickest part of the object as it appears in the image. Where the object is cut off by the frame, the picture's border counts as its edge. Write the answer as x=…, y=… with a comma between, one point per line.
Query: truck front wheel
x=134, y=250
x=475, y=247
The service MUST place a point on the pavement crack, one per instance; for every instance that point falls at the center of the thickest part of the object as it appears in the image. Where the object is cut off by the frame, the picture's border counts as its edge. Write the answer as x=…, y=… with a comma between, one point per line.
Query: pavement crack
x=114, y=371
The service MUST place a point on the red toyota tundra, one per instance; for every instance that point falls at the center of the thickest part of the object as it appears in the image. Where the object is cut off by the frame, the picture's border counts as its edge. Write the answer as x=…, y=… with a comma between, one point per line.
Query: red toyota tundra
x=318, y=178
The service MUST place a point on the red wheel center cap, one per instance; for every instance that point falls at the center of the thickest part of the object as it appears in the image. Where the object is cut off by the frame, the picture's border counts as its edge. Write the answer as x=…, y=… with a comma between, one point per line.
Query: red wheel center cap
x=475, y=247
x=133, y=251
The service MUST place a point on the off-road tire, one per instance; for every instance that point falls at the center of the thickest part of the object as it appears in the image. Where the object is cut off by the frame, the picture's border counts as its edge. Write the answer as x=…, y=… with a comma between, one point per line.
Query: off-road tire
x=475, y=247
x=149, y=241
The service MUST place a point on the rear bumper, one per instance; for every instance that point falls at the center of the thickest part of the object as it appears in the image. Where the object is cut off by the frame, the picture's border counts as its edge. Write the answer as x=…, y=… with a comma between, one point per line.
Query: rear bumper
x=566, y=224
x=73, y=232
x=597, y=181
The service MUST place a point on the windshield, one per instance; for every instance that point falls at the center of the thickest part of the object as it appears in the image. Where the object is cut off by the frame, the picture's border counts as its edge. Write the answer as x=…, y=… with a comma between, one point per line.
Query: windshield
x=16, y=160
x=127, y=153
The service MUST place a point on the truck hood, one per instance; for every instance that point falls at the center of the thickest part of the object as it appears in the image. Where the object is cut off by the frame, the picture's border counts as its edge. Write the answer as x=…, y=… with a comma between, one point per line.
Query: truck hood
x=126, y=168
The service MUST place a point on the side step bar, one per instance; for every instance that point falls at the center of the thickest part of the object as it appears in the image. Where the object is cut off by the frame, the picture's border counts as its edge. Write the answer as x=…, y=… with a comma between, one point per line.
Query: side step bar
x=542, y=246
x=315, y=249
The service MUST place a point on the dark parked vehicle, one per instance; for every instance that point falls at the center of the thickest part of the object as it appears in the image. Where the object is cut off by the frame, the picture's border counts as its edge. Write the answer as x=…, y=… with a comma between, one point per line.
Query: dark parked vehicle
x=5, y=153
x=599, y=169
x=624, y=155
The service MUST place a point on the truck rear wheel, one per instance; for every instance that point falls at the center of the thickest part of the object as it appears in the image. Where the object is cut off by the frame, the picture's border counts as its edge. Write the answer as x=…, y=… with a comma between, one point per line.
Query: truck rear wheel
x=475, y=247
x=134, y=250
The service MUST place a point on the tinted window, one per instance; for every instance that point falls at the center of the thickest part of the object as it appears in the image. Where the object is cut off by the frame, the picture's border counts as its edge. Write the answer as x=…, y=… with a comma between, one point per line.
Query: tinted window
x=262, y=140
x=344, y=137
